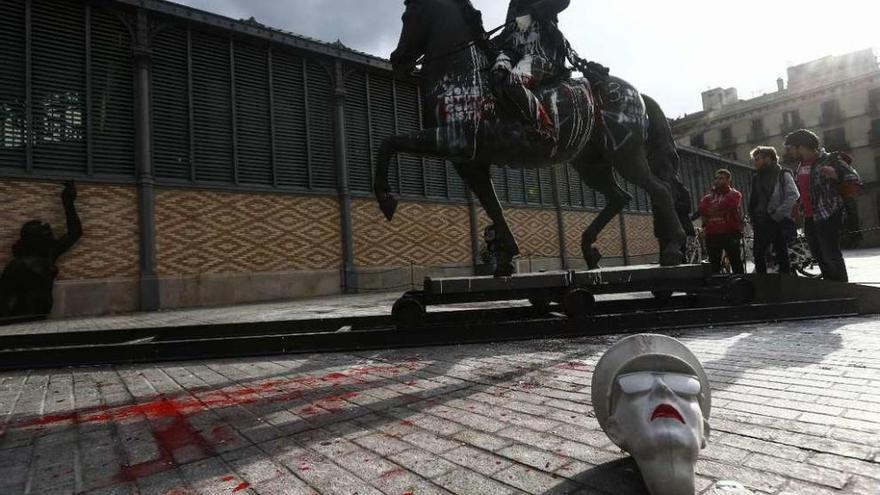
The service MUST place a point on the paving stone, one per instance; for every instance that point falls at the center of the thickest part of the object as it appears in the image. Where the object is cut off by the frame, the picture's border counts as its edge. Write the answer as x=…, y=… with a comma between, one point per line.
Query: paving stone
x=794, y=412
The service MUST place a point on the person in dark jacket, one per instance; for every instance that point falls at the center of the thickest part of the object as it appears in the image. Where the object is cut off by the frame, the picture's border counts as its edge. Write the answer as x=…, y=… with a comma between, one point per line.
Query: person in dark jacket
x=722, y=223
x=774, y=195
x=27, y=281
x=825, y=182
x=533, y=51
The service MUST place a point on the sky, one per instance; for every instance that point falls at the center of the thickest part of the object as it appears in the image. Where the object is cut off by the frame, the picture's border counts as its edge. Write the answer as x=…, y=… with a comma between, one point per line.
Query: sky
x=672, y=50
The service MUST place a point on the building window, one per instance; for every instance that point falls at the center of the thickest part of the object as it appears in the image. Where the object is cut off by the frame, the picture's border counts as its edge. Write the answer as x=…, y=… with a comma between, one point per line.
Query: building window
x=874, y=102
x=757, y=133
x=12, y=127
x=791, y=121
x=830, y=112
x=835, y=140
x=726, y=138
x=875, y=132
x=698, y=140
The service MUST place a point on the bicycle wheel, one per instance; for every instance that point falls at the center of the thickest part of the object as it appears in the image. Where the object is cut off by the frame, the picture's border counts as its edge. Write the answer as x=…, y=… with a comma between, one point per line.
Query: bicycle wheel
x=802, y=260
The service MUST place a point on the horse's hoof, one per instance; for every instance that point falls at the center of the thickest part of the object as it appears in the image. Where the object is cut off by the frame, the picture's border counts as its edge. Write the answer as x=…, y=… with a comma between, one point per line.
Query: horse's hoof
x=504, y=270
x=593, y=257
x=388, y=205
x=671, y=258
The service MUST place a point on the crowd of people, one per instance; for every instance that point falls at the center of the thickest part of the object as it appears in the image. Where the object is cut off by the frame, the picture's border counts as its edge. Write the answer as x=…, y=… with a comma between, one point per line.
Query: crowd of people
x=808, y=187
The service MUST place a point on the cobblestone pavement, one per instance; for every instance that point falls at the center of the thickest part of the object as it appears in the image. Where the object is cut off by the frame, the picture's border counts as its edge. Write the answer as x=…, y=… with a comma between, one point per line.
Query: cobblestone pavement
x=796, y=410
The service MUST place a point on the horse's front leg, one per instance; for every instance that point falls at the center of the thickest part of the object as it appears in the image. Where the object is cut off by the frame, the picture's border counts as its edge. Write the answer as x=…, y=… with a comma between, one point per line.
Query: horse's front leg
x=478, y=178
x=447, y=143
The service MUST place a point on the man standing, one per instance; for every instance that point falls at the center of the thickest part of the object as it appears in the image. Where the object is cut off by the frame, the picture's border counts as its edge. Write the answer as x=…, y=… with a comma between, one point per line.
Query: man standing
x=722, y=223
x=774, y=194
x=825, y=181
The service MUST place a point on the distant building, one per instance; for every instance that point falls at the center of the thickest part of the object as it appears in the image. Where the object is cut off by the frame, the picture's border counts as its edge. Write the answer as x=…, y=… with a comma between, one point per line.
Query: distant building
x=838, y=97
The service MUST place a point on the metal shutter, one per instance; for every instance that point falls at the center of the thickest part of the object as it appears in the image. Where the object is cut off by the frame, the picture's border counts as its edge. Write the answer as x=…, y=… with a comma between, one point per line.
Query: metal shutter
x=171, y=105
x=321, y=129
x=59, y=86
x=562, y=184
x=357, y=133
x=436, y=182
x=291, y=136
x=112, y=112
x=533, y=186
x=253, y=119
x=212, y=107
x=383, y=120
x=457, y=187
x=575, y=187
x=499, y=179
x=546, y=178
x=12, y=84
x=515, y=192
x=412, y=179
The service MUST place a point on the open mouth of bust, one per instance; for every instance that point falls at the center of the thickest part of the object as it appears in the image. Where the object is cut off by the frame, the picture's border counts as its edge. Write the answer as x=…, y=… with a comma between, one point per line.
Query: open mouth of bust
x=666, y=411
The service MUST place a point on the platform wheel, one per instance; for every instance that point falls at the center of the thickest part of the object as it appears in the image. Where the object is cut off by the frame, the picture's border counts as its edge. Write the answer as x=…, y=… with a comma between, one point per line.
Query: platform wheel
x=579, y=303
x=662, y=295
x=738, y=291
x=541, y=305
x=408, y=312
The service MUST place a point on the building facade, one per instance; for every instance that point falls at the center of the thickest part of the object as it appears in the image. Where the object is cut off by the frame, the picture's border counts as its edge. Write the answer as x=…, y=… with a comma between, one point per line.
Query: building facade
x=220, y=161
x=836, y=97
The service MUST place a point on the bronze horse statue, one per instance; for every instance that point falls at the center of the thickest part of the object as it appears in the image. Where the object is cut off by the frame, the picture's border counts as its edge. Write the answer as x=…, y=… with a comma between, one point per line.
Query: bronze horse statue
x=599, y=129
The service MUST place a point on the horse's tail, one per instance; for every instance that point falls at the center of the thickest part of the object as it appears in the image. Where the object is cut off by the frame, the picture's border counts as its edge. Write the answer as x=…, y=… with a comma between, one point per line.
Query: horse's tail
x=665, y=162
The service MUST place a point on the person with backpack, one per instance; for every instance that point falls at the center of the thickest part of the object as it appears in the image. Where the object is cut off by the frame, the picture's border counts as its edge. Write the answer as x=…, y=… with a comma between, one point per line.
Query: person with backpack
x=826, y=183
x=722, y=222
x=774, y=195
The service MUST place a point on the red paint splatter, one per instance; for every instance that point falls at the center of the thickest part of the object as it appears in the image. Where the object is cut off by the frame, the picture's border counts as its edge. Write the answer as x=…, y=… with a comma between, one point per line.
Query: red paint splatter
x=407, y=422
x=392, y=474
x=228, y=478
x=179, y=441
x=241, y=486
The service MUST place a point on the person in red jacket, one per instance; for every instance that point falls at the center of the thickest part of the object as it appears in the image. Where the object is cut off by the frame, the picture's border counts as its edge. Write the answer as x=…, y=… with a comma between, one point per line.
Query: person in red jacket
x=722, y=223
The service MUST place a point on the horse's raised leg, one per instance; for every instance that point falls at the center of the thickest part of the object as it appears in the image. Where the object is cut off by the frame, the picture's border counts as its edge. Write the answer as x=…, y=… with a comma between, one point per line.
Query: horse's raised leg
x=448, y=143
x=632, y=164
x=478, y=178
x=600, y=176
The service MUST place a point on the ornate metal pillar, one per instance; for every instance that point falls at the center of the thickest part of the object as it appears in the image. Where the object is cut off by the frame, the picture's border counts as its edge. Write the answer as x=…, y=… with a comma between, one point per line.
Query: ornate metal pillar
x=349, y=275
x=149, y=282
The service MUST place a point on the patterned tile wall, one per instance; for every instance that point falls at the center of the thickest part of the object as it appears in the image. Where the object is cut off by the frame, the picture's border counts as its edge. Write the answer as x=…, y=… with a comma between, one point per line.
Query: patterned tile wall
x=201, y=232
x=109, y=245
x=640, y=236
x=535, y=230
x=576, y=223
x=422, y=234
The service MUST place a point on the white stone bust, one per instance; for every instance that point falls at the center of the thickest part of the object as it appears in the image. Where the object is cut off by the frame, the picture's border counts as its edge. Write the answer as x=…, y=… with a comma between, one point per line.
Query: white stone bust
x=652, y=398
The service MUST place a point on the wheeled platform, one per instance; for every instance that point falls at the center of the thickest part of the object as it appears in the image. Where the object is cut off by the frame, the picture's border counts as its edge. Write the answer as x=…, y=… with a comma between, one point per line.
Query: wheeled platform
x=575, y=290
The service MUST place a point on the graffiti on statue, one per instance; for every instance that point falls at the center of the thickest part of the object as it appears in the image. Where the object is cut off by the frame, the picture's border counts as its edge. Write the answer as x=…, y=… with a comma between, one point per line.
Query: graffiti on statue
x=27, y=281
x=480, y=114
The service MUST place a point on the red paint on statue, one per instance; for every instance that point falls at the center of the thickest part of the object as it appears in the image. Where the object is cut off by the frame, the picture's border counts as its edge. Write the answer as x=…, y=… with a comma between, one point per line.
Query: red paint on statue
x=241, y=486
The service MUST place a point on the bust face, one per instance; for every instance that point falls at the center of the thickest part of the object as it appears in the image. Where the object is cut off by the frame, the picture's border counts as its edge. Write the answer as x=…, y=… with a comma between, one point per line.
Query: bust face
x=657, y=413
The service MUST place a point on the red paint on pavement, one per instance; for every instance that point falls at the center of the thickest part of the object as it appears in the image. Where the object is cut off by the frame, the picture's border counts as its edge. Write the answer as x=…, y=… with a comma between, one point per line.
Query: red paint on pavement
x=392, y=474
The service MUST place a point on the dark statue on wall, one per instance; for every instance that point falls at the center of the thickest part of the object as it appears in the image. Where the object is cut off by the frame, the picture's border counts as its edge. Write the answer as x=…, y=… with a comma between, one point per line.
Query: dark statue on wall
x=484, y=105
x=27, y=281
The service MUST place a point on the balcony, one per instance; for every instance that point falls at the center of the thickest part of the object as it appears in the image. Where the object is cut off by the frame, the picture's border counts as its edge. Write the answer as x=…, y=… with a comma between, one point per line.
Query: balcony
x=830, y=119
x=838, y=146
x=757, y=136
x=792, y=126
